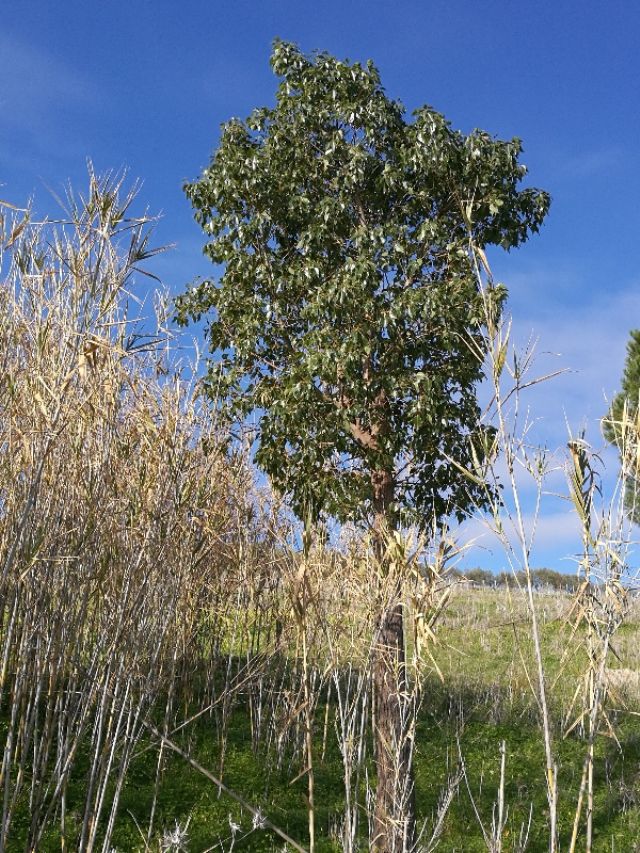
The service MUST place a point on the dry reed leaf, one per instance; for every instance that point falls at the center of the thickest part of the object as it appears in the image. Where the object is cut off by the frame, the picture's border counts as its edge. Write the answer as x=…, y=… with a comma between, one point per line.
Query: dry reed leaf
x=15, y=233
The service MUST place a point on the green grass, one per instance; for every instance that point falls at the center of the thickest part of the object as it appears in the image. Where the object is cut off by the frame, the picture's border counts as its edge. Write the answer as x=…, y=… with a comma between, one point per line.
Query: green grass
x=484, y=700
x=184, y=794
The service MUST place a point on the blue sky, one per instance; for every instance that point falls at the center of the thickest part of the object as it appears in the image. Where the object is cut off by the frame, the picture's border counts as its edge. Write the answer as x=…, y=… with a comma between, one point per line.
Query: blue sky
x=146, y=85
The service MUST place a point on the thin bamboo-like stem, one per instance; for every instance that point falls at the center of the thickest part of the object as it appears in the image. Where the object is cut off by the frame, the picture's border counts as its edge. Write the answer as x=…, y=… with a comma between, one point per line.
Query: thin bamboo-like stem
x=235, y=796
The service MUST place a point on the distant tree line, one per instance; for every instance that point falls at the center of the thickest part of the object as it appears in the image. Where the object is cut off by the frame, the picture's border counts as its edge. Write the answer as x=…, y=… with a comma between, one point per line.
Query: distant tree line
x=541, y=577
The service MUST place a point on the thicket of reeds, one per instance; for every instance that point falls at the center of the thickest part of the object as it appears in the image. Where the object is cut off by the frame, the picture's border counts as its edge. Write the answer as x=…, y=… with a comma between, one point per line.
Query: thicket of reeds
x=148, y=584
x=120, y=518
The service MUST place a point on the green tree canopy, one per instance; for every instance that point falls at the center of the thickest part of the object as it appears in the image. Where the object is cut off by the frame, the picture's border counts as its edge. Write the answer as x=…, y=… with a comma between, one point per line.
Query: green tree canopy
x=347, y=305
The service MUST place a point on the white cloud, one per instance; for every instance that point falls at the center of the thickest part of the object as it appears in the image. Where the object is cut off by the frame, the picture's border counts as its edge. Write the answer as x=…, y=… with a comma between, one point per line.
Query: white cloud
x=588, y=339
x=554, y=538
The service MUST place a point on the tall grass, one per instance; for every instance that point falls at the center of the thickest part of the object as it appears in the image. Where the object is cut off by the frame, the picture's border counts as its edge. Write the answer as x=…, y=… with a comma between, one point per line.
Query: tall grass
x=116, y=510
x=510, y=467
x=151, y=591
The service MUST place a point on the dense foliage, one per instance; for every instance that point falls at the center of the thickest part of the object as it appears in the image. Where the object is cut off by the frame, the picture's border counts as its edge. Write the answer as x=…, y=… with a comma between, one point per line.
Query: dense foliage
x=347, y=313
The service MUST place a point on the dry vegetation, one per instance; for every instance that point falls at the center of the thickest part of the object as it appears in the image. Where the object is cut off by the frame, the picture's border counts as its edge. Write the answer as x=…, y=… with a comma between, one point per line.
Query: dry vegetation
x=159, y=622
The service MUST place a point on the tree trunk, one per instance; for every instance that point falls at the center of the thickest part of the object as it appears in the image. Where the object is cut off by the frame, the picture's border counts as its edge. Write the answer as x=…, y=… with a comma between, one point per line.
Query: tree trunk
x=394, y=817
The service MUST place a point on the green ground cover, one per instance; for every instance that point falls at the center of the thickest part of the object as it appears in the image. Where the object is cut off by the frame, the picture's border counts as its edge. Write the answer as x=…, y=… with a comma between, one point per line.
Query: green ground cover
x=484, y=699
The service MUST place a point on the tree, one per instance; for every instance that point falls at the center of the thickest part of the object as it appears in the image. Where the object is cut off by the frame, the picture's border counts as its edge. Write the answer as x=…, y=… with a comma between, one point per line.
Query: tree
x=347, y=315
x=621, y=427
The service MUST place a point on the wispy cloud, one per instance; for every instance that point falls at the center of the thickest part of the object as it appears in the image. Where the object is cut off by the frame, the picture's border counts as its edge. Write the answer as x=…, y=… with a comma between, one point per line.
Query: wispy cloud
x=554, y=538
x=45, y=103
x=34, y=85
x=587, y=164
x=587, y=338
x=578, y=164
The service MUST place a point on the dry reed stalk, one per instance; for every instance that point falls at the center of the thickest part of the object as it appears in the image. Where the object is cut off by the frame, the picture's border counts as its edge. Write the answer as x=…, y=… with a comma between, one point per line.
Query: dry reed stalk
x=600, y=600
x=109, y=516
x=600, y=605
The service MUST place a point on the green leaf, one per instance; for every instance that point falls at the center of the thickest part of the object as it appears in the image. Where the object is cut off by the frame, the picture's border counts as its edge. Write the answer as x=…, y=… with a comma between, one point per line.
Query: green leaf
x=347, y=286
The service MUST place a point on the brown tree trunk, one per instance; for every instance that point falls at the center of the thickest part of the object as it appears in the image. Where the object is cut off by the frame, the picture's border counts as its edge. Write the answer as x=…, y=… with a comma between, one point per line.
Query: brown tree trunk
x=394, y=817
